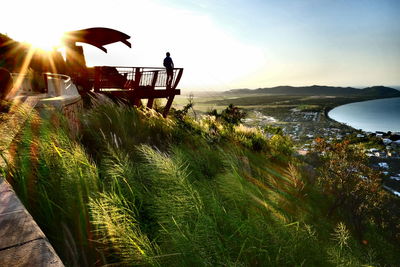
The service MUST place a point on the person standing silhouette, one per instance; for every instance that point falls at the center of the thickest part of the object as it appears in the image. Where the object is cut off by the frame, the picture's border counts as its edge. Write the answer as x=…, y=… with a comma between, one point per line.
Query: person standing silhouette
x=169, y=66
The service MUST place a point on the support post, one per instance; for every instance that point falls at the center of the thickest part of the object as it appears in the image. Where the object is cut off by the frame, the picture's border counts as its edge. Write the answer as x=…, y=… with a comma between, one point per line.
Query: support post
x=153, y=85
x=150, y=103
x=97, y=77
x=168, y=105
x=137, y=102
x=178, y=78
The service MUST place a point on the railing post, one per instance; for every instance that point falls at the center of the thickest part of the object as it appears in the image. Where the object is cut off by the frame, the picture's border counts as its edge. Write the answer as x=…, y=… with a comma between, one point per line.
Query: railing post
x=154, y=81
x=138, y=75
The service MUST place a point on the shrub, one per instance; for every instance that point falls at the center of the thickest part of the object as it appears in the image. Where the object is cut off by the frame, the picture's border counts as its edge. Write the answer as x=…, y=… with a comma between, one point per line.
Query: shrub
x=355, y=189
x=231, y=115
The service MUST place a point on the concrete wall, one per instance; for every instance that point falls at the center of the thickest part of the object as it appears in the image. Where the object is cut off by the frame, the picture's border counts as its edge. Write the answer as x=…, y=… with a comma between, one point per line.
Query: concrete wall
x=22, y=243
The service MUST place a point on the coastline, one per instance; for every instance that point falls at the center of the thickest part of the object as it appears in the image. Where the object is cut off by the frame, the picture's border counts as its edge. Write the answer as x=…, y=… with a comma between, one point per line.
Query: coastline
x=382, y=159
x=327, y=110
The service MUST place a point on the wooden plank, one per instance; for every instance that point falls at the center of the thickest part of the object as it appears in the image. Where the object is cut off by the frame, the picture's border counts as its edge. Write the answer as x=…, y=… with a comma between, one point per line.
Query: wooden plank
x=37, y=252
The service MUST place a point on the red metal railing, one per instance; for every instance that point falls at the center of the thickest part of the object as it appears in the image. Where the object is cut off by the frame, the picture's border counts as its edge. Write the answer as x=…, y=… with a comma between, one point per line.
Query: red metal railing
x=132, y=78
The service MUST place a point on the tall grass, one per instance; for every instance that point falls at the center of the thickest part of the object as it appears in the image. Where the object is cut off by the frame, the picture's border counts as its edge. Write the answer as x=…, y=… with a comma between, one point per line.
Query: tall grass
x=54, y=178
x=137, y=189
x=118, y=231
x=123, y=127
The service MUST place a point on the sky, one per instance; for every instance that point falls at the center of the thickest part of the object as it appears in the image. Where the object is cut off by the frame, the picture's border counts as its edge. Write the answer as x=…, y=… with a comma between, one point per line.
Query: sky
x=232, y=44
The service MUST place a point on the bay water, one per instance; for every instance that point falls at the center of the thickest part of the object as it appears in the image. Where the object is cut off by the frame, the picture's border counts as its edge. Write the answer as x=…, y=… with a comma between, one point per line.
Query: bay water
x=370, y=116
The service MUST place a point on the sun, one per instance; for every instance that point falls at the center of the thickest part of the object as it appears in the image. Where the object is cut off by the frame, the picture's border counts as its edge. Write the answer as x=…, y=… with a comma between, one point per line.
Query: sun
x=44, y=40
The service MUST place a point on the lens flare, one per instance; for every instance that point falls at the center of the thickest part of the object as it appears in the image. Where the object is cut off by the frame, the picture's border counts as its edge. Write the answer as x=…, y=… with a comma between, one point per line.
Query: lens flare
x=46, y=41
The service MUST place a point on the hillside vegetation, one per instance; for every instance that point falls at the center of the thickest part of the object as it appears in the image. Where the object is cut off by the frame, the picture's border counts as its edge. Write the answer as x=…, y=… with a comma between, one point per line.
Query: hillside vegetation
x=133, y=188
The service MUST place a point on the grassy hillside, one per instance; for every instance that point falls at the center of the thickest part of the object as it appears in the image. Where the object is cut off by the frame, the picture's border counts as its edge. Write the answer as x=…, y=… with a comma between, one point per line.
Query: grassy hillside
x=134, y=188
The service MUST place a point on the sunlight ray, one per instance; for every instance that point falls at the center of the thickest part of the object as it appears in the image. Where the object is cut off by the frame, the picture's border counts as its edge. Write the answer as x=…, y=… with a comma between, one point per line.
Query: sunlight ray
x=23, y=70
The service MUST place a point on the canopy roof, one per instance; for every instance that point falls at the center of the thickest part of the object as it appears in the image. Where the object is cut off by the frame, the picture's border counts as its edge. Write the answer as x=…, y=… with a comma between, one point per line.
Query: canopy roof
x=98, y=37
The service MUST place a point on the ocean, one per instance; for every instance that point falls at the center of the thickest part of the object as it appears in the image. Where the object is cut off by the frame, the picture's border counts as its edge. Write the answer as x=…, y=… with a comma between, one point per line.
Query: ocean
x=370, y=116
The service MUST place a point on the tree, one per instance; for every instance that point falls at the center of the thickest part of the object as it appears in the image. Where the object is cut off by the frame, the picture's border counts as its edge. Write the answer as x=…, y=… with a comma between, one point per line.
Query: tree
x=231, y=115
x=354, y=187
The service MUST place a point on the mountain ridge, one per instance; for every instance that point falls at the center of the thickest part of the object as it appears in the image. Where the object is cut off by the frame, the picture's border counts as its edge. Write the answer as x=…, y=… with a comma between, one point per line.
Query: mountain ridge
x=322, y=90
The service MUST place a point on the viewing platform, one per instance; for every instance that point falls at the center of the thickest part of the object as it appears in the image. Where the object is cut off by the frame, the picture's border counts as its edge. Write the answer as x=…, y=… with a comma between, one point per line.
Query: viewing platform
x=136, y=83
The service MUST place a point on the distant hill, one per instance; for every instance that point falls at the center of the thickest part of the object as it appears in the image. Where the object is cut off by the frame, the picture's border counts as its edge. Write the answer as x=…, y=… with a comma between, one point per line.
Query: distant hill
x=380, y=91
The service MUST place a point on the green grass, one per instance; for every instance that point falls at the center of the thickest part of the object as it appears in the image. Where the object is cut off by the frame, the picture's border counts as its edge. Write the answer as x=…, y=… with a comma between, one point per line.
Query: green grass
x=134, y=188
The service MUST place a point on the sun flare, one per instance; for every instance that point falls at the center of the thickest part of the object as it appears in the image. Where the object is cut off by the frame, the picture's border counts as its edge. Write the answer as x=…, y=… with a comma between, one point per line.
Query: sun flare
x=44, y=40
